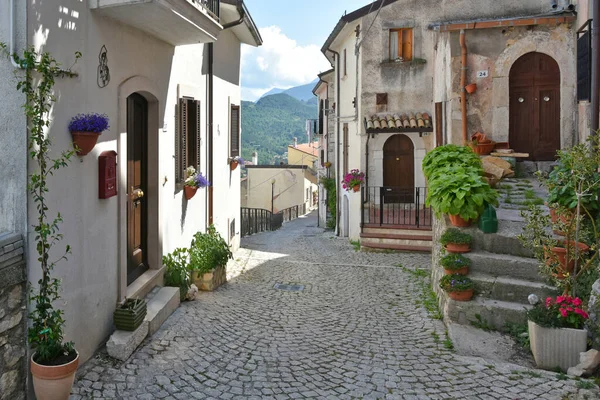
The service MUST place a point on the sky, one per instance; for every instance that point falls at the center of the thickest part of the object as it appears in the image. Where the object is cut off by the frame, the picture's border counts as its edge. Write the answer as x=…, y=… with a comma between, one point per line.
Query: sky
x=293, y=33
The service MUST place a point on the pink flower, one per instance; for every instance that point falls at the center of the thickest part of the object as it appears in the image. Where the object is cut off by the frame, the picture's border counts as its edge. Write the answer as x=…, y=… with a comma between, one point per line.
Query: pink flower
x=548, y=302
x=577, y=302
x=563, y=312
x=569, y=308
x=579, y=311
x=560, y=299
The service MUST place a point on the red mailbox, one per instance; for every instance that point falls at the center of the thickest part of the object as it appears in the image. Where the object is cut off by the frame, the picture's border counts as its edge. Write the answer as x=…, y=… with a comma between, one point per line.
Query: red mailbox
x=107, y=174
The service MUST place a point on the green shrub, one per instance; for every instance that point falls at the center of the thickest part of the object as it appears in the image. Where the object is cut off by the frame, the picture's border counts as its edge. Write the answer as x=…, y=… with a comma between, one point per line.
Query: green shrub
x=449, y=155
x=456, y=283
x=208, y=251
x=455, y=262
x=453, y=235
x=330, y=185
x=177, y=273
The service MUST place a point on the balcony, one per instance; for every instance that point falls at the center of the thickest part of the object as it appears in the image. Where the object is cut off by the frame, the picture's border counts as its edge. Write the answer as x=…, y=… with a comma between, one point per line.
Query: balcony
x=177, y=22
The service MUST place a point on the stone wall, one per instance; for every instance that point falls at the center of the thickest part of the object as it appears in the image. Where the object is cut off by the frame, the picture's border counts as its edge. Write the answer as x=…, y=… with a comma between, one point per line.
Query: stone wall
x=13, y=347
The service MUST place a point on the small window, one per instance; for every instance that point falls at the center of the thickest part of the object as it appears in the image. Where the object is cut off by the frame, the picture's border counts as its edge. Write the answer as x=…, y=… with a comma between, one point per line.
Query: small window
x=381, y=100
x=235, y=132
x=187, y=137
x=401, y=44
x=584, y=67
x=345, y=63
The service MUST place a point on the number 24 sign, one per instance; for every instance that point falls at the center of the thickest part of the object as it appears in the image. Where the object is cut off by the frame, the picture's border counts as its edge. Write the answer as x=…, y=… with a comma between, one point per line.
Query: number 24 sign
x=482, y=74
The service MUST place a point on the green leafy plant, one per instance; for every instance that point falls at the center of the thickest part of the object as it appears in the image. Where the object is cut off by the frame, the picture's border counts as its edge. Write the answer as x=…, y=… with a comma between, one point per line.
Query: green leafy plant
x=453, y=235
x=330, y=186
x=454, y=262
x=456, y=283
x=208, y=251
x=449, y=155
x=46, y=334
x=177, y=273
x=355, y=244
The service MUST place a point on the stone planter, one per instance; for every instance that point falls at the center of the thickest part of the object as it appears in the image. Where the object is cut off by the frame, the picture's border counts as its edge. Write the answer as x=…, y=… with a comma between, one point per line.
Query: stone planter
x=556, y=347
x=53, y=382
x=130, y=316
x=210, y=281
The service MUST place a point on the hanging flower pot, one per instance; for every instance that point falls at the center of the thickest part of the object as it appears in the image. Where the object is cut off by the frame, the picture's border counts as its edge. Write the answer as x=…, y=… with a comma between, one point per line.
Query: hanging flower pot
x=353, y=180
x=233, y=165
x=189, y=192
x=457, y=220
x=471, y=88
x=85, y=129
x=356, y=188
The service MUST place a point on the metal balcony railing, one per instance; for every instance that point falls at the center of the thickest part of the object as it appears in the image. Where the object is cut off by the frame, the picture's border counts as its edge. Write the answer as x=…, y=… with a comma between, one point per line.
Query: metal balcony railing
x=212, y=6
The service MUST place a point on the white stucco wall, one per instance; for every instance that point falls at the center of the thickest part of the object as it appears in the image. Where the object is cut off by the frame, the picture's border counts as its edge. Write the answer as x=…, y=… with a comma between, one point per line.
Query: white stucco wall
x=93, y=277
x=289, y=188
x=13, y=137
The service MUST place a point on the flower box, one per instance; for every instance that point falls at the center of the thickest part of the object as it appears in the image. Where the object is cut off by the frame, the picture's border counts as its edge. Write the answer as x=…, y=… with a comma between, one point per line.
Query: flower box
x=210, y=281
x=556, y=347
x=129, y=316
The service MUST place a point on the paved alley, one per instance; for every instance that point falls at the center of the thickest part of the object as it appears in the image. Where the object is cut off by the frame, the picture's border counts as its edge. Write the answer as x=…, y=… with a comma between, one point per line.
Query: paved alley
x=352, y=327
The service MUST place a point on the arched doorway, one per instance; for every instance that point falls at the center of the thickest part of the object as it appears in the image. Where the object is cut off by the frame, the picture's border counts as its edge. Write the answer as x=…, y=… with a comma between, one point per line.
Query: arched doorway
x=534, y=118
x=399, y=169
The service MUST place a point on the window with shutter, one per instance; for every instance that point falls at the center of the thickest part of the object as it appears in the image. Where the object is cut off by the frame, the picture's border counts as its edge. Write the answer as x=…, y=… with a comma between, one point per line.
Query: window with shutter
x=187, y=137
x=584, y=67
x=235, y=131
x=401, y=44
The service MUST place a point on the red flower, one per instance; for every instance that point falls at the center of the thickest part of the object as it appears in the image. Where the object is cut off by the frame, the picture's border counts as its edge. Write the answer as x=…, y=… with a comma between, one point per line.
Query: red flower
x=560, y=299
x=577, y=302
x=563, y=312
x=548, y=302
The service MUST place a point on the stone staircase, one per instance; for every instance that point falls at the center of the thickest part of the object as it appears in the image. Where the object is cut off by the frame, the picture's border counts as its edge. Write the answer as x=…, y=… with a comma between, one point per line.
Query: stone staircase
x=504, y=274
x=390, y=237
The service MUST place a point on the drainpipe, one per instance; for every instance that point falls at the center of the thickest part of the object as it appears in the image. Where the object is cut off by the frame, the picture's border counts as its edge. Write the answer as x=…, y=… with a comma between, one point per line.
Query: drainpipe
x=337, y=141
x=595, y=67
x=210, y=131
x=463, y=83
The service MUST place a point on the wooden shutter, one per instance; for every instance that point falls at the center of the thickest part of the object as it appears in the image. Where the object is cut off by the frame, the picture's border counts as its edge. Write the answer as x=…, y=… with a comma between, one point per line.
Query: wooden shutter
x=345, y=148
x=407, y=44
x=584, y=67
x=181, y=133
x=322, y=105
x=345, y=63
x=198, y=134
x=235, y=131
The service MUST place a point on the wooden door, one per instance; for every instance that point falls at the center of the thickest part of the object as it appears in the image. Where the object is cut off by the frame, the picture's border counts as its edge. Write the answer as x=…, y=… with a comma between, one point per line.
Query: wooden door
x=137, y=212
x=399, y=169
x=535, y=106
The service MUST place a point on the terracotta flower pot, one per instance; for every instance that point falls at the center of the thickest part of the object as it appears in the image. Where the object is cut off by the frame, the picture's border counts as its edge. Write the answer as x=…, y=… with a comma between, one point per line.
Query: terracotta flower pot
x=53, y=382
x=356, y=188
x=189, y=191
x=457, y=220
x=560, y=254
x=471, y=88
x=458, y=248
x=461, y=296
x=233, y=165
x=565, y=218
x=85, y=141
x=463, y=271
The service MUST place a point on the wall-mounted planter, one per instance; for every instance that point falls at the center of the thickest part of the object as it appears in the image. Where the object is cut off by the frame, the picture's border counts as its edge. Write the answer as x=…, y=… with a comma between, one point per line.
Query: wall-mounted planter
x=356, y=188
x=85, y=141
x=129, y=316
x=189, y=192
x=471, y=88
x=233, y=165
x=209, y=281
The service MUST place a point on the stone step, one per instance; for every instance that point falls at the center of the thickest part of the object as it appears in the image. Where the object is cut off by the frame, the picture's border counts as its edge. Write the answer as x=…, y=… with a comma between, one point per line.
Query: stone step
x=509, y=289
x=390, y=230
x=504, y=265
x=395, y=247
x=504, y=241
x=407, y=240
x=162, y=302
x=493, y=313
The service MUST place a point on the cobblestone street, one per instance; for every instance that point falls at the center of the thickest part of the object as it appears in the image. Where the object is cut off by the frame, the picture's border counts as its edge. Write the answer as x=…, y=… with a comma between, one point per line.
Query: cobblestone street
x=356, y=331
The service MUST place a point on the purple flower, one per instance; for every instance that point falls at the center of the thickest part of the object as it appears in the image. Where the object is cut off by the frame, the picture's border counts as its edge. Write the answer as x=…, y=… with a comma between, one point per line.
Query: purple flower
x=241, y=161
x=92, y=122
x=201, y=180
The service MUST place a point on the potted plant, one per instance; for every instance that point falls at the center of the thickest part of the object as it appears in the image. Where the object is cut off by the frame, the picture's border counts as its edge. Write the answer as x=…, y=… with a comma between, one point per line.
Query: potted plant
x=353, y=180
x=481, y=145
x=556, y=332
x=458, y=287
x=562, y=256
x=193, y=181
x=235, y=161
x=471, y=88
x=130, y=315
x=177, y=273
x=455, y=264
x=54, y=360
x=209, y=254
x=327, y=164
x=455, y=241
x=85, y=129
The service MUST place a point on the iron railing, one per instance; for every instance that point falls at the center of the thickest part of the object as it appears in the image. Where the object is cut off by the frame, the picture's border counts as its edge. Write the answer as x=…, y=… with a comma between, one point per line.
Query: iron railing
x=389, y=205
x=255, y=220
x=294, y=212
x=212, y=6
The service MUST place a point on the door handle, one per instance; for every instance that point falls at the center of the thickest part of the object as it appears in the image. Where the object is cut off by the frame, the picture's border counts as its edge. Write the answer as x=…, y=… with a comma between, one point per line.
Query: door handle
x=136, y=194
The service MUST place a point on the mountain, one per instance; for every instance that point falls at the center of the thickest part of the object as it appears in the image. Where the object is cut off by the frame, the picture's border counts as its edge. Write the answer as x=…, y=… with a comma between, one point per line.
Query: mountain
x=303, y=92
x=270, y=125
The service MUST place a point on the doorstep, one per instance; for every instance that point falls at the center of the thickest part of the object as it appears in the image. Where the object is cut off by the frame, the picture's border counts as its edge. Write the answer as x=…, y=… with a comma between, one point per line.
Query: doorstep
x=145, y=283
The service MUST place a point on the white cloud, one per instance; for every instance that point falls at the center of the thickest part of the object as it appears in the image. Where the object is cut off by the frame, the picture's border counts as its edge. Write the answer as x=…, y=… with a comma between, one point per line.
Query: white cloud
x=279, y=62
